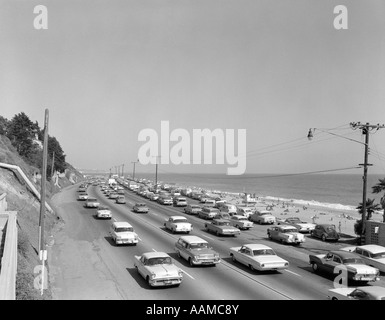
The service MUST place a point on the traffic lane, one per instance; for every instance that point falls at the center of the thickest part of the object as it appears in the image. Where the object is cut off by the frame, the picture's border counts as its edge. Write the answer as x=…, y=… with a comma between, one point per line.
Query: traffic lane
x=119, y=259
x=209, y=282
x=306, y=291
x=297, y=257
x=76, y=268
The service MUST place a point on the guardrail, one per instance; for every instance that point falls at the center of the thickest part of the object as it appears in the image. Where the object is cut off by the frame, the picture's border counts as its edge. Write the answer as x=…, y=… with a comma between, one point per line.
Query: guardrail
x=3, y=202
x=9, y=259
x=29, y=183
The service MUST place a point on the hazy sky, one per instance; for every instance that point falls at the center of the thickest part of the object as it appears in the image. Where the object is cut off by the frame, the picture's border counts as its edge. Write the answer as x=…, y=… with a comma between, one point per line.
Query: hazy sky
x=108, y=69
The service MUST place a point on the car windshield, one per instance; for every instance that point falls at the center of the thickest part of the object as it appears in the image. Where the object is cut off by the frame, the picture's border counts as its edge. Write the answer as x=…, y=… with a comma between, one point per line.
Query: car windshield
x=103, y=208
x=353, y=260
x=223, y=223
x=180, y=220
x=124, y=229
x=262, y=252
x=195, y=206
x=294, y=220
x=243, y=219
x=329, y=229
x=200, y=245
x=156, y=261
x=289, y=230
x=378, y=255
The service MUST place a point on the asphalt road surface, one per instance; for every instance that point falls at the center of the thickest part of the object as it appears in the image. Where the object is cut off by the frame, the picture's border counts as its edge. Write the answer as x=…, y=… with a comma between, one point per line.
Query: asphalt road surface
x=85, y=263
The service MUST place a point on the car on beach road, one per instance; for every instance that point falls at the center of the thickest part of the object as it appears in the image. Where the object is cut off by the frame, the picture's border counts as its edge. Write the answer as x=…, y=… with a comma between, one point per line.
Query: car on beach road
x=244, y=211
x=302, y=226
x=140, y=208
x=113, y=195
x=103, y=213
x=180, y=202
x=325, y=232
x=258, y=257
x=178, y=224
x=91, y=203
x=158, y=270
x=222, y=227
x=240, y=222
x=82, y=196
x=123, y=233
x=208, y=213
x=196, y=251
x=354, y=265
x=358, y=293
x=120, y=199
x=262, y=217
x=372, y=254
x=192, y=209
x=286, y=234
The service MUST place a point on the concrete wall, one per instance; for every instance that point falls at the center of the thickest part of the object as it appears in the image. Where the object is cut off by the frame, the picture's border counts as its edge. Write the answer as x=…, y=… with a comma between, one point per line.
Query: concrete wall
x=373, y=237
x=9, y=258
x=3, y=202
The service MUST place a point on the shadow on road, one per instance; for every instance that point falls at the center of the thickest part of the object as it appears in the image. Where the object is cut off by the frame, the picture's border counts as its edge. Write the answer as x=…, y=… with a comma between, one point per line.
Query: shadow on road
x=246, y=269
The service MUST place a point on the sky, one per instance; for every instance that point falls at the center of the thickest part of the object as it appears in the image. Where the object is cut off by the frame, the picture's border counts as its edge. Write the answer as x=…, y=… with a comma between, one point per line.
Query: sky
x=108, y=69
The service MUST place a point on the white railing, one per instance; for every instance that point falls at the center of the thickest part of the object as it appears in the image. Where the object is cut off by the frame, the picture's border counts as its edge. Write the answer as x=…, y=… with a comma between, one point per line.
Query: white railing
x=9, y=259
x=29, y=183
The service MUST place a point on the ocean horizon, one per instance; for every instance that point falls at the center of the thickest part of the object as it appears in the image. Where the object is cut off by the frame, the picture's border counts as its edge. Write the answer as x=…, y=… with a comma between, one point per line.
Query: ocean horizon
x=333, y=191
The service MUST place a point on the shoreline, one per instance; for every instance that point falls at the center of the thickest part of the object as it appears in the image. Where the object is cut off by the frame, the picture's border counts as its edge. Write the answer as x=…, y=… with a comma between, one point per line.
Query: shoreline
x=343, y=217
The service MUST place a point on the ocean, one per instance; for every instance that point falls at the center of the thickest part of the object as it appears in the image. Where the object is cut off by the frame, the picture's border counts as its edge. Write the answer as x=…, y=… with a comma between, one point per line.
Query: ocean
x=334, y=191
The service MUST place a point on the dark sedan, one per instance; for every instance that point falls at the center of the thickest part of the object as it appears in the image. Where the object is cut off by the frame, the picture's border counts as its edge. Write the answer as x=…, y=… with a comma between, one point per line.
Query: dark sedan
x=325, y=232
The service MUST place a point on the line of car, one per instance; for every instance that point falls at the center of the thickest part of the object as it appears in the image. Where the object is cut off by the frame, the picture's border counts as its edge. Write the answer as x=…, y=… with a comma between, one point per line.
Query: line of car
x=256, y=256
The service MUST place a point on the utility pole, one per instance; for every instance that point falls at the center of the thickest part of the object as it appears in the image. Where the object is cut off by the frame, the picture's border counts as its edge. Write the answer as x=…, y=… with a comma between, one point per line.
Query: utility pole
x=366, y=128
x=133, y=173
x=122, y=170
x=53, y=163
x=156, y=172
x=42, y=251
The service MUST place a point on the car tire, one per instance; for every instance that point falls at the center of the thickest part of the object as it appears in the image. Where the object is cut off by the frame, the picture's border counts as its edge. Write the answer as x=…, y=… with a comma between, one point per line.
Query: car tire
x=233, y=258
x=178, y=254
x=252, y=268
x=217, y=233
x=323, y=238
x=334, y=298
x=190, y=262
x=314, y=266
x=269, y=236
x=148, y=280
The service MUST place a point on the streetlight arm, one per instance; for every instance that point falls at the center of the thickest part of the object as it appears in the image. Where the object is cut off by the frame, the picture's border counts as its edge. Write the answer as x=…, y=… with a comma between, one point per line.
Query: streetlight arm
x=310, y=135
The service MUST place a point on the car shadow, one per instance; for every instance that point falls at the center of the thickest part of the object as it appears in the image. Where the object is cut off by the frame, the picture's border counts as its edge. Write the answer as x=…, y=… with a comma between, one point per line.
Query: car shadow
x=95, y=216
x=139, y=279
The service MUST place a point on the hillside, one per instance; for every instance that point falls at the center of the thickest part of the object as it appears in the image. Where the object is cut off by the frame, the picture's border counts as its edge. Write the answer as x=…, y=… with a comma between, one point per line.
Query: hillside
x=22, y=200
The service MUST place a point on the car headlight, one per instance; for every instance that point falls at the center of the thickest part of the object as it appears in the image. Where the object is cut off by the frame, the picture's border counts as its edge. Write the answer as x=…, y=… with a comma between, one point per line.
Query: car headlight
x=153, y=276
x=262, y=265
x=286, y=264
x=180, y=273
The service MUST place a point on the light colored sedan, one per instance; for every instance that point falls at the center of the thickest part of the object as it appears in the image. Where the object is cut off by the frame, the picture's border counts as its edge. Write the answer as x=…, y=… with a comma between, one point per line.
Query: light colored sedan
x=258, y=257
x=359, y=293
x=192, y=209
x=285, y=234
x=83, y=196
x=302, y=226
x=103, y=213
x=158, y=269
x=178, y=224
x=372, y=254
x=240, y=222
x=123, y=233
x=262, y=217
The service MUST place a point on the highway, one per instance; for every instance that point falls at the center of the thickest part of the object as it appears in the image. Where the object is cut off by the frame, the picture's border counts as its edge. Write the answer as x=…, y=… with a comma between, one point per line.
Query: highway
x=94, y=268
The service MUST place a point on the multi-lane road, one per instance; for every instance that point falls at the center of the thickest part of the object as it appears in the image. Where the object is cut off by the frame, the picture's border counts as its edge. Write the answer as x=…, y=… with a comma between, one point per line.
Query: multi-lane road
x=85, y=264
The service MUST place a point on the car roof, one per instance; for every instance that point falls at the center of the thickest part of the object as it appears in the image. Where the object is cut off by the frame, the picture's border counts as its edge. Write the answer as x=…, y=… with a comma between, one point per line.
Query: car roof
x=263, y=211
x=121, y=224
x=373, y=248
x=193, y=239
x=287, y=227
x=254, y=246
x=179, y=217
x=345, y=254
x=221, y=220
x=151, y=254
x=239, y=216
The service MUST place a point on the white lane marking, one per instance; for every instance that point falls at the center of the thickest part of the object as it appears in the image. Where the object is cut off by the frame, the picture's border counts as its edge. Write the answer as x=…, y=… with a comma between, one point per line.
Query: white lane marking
x=114, y=219
x=139, y=239
x=154, y=250
x=208, y=237
x=293, y=273
x=155, y=214
x=187, y=273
